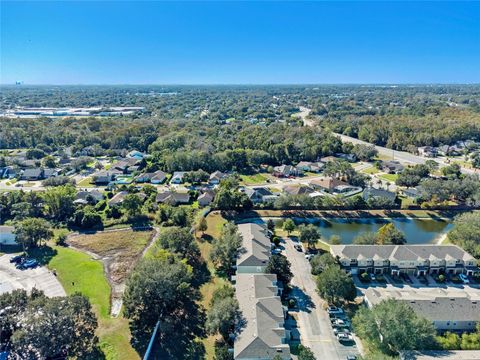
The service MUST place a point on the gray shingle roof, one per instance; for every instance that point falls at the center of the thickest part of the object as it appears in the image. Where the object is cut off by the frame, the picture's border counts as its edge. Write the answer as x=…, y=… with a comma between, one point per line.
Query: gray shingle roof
x=262, y=334
x=256, y=246
x=447, y=309
x=400, y=252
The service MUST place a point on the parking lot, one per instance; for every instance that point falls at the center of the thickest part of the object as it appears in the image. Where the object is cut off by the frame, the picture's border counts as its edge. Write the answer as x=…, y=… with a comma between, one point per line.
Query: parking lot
x=314, y=326
x=40, y=278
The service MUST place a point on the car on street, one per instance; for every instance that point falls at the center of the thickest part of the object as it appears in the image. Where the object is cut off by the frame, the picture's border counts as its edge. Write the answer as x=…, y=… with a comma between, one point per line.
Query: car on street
x=298, y=247
x=276, y=251
x=336, y=331
x=340, y=323
x=464, y=278
x=308, y=257
x=351, y=357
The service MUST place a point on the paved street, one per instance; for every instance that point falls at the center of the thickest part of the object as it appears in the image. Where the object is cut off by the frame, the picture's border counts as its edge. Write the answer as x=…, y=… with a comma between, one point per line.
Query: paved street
x=312, y=321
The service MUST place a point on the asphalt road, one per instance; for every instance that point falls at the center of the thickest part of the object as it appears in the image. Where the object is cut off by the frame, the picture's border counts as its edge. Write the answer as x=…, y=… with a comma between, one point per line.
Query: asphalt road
x=312, y=320
x=401, y=156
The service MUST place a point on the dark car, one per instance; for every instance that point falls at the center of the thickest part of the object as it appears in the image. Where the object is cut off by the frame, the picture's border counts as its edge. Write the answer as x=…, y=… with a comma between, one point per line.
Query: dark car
x=16, y=259
x=27, y=264
x=298, y=247
x=351, y=357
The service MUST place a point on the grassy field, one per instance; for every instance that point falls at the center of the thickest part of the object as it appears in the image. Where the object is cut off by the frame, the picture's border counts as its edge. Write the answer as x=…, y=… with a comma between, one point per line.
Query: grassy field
x=85, y=183
x=253, y=179
x=78, y=272
x=215, y=223
x=371, y=170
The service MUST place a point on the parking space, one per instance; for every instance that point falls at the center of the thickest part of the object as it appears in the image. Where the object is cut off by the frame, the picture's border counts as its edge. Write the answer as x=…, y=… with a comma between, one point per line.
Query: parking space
x=40, y=278
x=312, y=321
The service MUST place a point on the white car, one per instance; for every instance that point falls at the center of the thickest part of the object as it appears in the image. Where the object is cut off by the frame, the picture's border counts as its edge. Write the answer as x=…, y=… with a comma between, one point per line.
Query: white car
x=344, y=337
x=308, y=257
x=464, y=278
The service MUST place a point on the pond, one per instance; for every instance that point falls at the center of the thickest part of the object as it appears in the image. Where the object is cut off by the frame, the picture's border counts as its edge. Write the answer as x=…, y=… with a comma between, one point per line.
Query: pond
x=417, y=231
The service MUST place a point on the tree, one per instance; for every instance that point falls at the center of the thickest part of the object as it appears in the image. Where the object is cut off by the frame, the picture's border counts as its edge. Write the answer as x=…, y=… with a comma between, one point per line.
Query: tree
x=389, y=234
x=36, y=326
x=449, y=341
x=49, y=162
x=30, y=232
x=160, y=289
x=279, y=265
x=304, y=353
x=392, y=325
x=335, y=285
x=59, y=202
x=271, y=225
x=364, y=152
x=225, y=248
x=222, y=351
x=222, y=316
x=466, y=232
x=132, y=204
x=289, y=226
x=366, y=238
x=335, y=240
x=320, y=262
x=180, y=241
x=309, y=234
x=202, y=225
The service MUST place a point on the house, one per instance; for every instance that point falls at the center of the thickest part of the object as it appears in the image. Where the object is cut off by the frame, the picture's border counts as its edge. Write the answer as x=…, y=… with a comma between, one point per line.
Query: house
x=156, y=177
x=427, y=151
x=117, y=199
x=9, y=172
x=104, y=177
x=124, y=164
x=328, y=159
x=447, y=150
x=7, y=236
x=263, y=334
x=260, y=194
x=286, y=171
x=173, y=198
x=48, y=173
x=405, y=259
x=315, y=167
x=454, y=311
x=132, y=169
x=327, y=183
x=369, y=193
x=177, y=177
x=256, y=249
x=216, y=177
x=348, y=157
x=32, y=174
x=297, y=190
x=88, y=197
x=392, y=166
x=206, y=198
x=413, y=193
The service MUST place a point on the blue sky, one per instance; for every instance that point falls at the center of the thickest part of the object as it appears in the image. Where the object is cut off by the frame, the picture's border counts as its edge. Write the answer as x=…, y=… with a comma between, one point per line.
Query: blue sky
x=239, y=42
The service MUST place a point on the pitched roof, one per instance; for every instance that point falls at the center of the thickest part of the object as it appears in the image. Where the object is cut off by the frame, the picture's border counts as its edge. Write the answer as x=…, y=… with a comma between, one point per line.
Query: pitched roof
x=262, y=334
x=400, y=252
x=372, y=192
x=441, y=354
x=256, y=247
x=297, y=190
x=327, y=182
x=117, y=198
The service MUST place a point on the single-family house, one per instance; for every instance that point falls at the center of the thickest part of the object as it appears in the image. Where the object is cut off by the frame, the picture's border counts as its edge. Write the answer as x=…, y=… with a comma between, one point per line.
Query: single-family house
x=48, y=173
x=216, y=177
x=104, y=177
x=286, y=171
x=177, y=177
x=88, y=197
x=206, y=198
x=135, y=154
x=314, y=167
x=348, y=157
x=156, y=177
x=427, y=151
x=260, y=194
x=32, y=174
x=392, y=166
x=117, y=199
x=297, y=190
x=369, y=193
x=173, y=198
x=327, y=183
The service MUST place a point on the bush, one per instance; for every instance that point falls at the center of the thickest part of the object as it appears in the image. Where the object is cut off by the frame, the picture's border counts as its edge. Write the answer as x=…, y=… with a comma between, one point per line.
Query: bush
x=61, y=239
x=440, y=278
x=364, y=277
x=276, y=240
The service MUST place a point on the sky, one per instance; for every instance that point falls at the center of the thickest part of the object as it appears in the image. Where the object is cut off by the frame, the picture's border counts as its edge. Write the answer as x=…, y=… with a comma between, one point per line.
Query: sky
x=109, y=42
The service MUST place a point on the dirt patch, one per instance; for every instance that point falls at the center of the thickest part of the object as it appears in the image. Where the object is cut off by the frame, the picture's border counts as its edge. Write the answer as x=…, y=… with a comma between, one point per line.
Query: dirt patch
x=119, y=250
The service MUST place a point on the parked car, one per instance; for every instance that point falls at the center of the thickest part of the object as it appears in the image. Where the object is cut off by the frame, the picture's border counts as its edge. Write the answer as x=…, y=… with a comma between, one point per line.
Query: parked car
x=276, y=251
x=336, y=331
x=341, y=323
x=308, y=257
x=298, y=247
x=16, y=259
x=334, y=310
x=344, y=337
x=372, y=277
x=464, y=278
x=351, y=357
x=28, y=264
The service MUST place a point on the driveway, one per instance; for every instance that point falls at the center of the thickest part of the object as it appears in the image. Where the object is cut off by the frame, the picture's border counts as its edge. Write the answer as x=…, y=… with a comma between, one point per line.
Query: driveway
x=40, y=278
x=312, y=320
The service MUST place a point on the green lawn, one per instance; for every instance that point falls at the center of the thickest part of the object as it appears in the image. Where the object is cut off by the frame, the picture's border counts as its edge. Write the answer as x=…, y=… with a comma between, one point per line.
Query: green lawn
x=389, y=177
x=253, y=179
x=78, y=272
x=85, y=182
x=371, y=170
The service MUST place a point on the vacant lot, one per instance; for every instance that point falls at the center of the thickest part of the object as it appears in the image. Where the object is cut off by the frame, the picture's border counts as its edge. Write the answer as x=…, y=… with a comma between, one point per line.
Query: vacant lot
x=118, y=250
x=253, y=179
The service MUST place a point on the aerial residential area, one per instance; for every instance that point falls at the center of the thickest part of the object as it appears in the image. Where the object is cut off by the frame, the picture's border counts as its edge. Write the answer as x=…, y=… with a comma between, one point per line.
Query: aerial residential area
x=304, y=185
